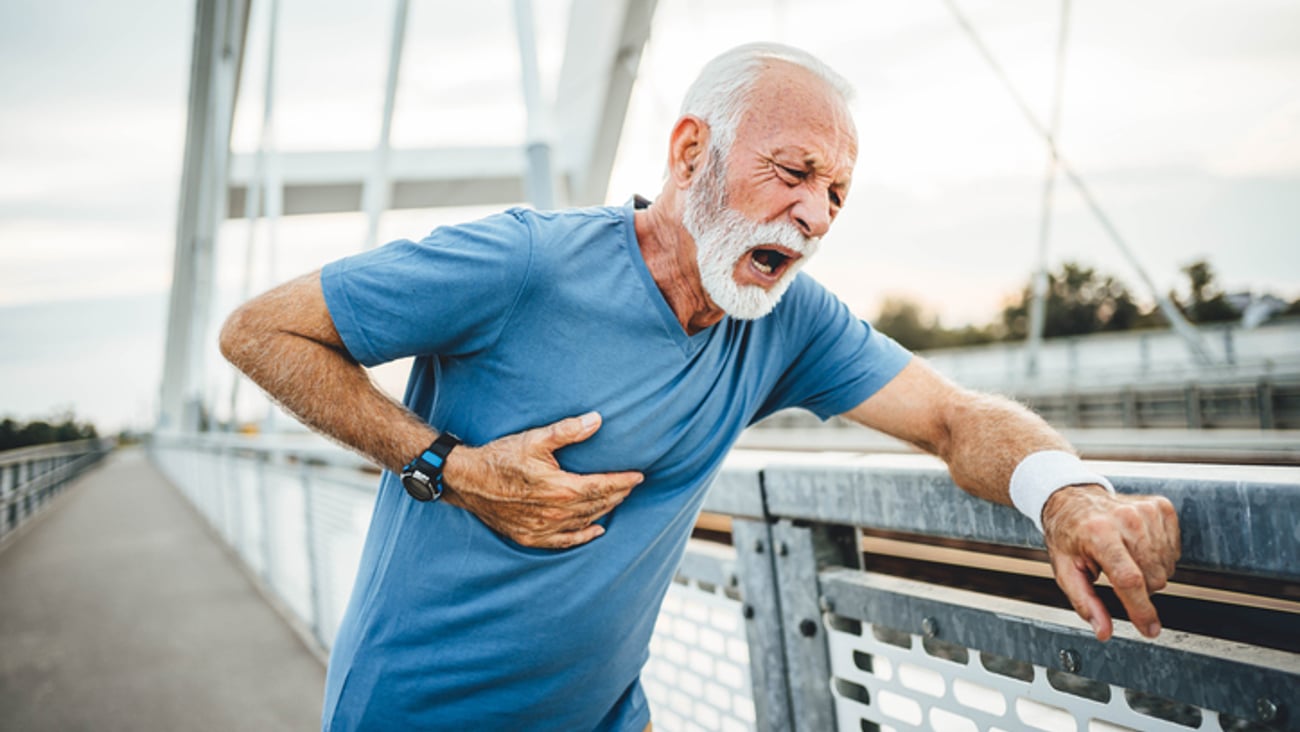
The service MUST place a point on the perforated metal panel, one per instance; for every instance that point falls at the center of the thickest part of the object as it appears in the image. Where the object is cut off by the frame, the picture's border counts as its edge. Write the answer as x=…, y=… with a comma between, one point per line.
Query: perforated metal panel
x=697, y=678
x=894, y=678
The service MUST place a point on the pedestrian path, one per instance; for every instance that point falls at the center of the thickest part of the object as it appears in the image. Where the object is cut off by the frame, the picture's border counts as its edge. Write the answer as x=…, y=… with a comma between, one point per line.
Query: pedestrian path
x=120, y=611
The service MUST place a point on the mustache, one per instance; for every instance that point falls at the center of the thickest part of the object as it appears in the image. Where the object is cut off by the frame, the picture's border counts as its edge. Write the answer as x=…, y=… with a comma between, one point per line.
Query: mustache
x=782, y=233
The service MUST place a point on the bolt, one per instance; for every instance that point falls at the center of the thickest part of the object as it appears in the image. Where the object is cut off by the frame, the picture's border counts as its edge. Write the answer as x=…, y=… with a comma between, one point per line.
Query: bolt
x=758, y=546
x=808, y=628
x=1070, y=660
x=748, y=611
x=825, y=604
x=930, y=627
x=783, y=549
x=1266, y=708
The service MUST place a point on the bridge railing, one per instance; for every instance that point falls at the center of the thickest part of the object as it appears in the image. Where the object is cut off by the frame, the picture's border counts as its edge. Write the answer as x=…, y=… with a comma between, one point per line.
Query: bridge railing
x=865, y=592
x=31, y=476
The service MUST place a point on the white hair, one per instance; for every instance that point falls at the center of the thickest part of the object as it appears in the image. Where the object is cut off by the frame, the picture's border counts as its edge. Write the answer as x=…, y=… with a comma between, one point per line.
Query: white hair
x=720, y=94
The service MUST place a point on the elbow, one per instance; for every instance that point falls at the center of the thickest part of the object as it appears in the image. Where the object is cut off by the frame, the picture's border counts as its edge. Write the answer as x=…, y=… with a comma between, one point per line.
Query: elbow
x=236, y=333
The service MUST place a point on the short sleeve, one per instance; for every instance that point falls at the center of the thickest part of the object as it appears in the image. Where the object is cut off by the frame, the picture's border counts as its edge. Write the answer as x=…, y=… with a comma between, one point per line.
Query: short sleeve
x=449, y=294
x=835, y=361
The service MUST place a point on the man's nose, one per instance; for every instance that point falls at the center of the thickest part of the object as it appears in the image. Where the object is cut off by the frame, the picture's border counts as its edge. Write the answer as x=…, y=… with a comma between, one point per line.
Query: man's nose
x=812, y=213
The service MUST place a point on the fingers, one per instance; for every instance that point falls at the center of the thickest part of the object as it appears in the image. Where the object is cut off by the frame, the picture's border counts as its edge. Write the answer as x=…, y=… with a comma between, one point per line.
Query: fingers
x=1076, y=582
x=538, y=532
x=516, y=486
x=1134, y=540
x=550, y=528
x=1130, y=585
x=598, y=487
x=567, y=539
x=1144, y=563
x=567, y=431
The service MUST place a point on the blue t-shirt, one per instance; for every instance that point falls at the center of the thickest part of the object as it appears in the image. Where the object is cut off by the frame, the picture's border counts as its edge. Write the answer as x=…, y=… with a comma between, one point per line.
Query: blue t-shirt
x=517, y=321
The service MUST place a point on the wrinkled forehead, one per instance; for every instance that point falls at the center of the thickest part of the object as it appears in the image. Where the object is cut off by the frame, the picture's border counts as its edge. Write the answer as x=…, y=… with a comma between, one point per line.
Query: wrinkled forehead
x=790, y=105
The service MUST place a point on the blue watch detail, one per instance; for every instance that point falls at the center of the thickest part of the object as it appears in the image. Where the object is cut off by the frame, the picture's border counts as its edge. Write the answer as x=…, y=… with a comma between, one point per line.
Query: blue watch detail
x=422, y=477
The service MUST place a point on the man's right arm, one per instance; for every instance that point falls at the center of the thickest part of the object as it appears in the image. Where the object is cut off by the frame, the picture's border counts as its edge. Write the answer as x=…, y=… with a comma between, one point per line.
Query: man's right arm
x=286, y=342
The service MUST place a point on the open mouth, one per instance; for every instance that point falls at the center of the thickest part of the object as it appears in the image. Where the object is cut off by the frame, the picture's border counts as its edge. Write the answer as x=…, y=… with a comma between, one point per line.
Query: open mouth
x=771, y=261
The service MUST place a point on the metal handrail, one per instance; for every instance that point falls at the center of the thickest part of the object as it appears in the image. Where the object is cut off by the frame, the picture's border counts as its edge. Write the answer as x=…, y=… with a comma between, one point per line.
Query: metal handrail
x=55, y=449
x=793, y=576
x=31, y=476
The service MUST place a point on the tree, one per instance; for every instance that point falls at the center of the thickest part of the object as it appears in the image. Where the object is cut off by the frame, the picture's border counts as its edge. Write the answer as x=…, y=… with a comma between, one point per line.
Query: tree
x=40, y=432
x=1206, y=301
x=908, y=323
x=1079, y=302
x=904, y=321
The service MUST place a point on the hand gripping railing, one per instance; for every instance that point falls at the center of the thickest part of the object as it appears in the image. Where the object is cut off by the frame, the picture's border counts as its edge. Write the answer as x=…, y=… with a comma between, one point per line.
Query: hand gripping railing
x=835, y=647
x=31, y=476
x=774, y=623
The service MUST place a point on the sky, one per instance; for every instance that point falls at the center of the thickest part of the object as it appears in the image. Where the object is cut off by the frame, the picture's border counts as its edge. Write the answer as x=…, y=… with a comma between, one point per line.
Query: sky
x=1183, y=117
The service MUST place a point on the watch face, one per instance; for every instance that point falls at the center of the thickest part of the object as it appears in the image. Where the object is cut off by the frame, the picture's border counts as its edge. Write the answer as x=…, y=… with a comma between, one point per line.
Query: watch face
x=418, y=486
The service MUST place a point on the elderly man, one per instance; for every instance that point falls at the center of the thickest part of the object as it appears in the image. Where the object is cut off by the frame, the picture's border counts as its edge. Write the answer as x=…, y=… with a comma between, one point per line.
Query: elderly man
x=594, y=367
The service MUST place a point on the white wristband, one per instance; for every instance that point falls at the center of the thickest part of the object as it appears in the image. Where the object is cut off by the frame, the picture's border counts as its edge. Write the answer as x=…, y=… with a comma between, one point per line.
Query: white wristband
x=1045, y=472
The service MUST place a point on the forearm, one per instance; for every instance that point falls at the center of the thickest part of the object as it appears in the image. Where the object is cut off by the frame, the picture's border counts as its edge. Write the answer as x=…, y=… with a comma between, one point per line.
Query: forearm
x=986, y=437
x=278, y=341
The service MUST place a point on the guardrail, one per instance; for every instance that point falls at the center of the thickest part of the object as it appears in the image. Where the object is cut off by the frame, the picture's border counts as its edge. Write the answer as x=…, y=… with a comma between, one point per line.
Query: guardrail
x=1130, y=357
x=1267, y=402
x=840, y=592
x=31, y=476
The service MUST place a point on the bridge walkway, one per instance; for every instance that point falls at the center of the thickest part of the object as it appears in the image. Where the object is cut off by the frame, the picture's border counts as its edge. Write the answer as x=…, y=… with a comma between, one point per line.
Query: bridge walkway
x=119, y=610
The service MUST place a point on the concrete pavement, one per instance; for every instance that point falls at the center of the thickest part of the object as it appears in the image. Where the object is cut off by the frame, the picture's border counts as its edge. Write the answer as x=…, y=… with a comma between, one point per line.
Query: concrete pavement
x=119, y=611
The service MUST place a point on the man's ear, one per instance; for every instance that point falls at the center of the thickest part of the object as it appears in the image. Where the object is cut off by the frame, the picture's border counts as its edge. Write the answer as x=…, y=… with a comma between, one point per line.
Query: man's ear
x=688, y=149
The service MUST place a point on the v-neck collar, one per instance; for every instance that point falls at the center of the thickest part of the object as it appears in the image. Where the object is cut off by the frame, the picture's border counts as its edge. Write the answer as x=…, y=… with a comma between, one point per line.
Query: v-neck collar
x=690, y=344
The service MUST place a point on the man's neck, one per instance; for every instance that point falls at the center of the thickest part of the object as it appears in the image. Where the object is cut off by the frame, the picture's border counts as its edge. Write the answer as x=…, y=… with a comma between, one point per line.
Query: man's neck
x=669, y=254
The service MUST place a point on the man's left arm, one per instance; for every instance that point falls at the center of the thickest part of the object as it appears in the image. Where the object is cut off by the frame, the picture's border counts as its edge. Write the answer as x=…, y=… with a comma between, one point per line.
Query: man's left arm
x=1087, y=529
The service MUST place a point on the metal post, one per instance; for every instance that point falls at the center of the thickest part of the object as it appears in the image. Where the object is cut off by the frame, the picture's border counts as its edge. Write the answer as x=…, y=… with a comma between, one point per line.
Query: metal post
x=255, y=192
x=539, y=185
x=1264, y=398
x=762, y=612
x=230, y=475
x=313, y=567
x=1038, y=306
x=1192, y=400
x=219, y=30
x=1073, y=409
x=1130, y=402
x=378, y=187
x=801, y=551
x=264, y=513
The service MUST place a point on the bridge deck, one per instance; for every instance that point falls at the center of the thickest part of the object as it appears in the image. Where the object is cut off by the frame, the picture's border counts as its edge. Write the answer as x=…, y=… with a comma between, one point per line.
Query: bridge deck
x=119, y=611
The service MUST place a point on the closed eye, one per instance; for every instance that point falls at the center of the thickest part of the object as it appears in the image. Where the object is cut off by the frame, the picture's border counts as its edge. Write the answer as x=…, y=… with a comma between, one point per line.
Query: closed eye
x=795, y=173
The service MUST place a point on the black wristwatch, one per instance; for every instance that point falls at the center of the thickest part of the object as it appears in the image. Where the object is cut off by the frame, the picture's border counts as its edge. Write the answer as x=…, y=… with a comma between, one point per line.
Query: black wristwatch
x=422, y=477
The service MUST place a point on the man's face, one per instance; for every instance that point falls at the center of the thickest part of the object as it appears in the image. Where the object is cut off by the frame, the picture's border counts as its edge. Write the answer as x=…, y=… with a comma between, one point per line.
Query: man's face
x=725, y=240
x=758, y=212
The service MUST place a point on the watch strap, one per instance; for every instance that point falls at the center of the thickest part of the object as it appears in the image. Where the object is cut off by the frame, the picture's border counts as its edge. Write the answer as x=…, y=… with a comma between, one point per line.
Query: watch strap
x=430, y=463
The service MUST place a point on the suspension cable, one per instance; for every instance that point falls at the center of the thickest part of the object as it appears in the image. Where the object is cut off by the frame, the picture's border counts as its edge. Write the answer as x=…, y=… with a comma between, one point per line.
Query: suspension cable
x=1038, y=290
x=1191, y=338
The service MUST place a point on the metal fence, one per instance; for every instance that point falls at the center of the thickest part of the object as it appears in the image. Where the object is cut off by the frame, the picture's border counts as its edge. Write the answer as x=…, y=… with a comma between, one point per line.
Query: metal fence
x=31, y=476
x=817, y=595
x=1129, y=357
x=1267, y=402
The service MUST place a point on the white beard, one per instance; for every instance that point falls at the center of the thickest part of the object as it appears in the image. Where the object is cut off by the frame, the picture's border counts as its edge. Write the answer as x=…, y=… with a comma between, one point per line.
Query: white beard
x=723, y=236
